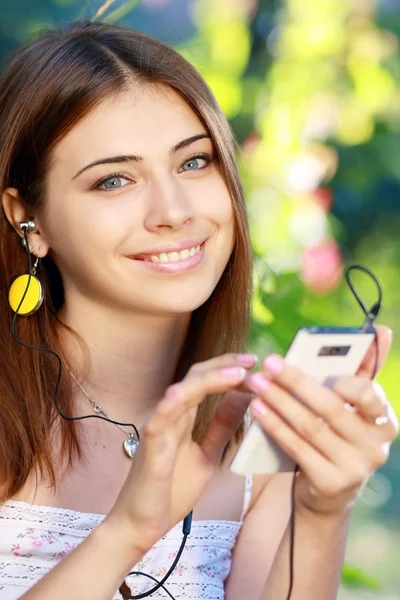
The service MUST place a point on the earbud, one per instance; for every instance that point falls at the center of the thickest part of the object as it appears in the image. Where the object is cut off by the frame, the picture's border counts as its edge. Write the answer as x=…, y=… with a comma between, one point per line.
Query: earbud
x=28, y=225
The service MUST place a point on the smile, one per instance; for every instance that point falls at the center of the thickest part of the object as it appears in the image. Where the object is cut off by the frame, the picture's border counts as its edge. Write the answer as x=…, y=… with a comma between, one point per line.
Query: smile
x=173, y=262
x=174, y=256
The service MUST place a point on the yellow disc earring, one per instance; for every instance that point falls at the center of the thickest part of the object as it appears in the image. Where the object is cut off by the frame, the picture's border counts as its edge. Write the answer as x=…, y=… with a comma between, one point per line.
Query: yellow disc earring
x=26, y=292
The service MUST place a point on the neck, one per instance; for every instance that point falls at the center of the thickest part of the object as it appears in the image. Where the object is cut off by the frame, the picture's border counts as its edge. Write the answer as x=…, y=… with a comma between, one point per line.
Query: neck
x=132, y=358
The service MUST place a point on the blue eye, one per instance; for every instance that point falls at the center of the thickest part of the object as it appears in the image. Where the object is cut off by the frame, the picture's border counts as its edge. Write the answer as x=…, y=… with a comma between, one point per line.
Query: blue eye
x=112, y=183
x=194, y=163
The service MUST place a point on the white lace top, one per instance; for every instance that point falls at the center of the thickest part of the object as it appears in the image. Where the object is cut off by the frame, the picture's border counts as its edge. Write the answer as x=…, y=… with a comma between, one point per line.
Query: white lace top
x=34, y=538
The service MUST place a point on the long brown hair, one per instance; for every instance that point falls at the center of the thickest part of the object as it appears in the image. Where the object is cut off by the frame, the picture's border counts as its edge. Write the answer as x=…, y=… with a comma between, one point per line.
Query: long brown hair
x=47, y=87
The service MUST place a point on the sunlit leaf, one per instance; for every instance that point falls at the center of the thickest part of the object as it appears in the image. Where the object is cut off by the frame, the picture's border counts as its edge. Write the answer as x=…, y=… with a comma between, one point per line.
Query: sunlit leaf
x=353, y=576
x=119, y=13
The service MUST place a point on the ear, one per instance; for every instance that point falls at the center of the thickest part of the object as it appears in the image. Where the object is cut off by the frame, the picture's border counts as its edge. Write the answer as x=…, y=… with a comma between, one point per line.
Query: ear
x=16, y=212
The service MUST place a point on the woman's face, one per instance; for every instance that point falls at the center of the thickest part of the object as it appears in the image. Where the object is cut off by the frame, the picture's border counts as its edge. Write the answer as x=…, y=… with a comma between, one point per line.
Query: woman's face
x=150, y=227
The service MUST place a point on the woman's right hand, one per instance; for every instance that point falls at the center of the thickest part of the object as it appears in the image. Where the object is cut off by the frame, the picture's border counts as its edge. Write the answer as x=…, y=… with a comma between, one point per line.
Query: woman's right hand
x=170, y=471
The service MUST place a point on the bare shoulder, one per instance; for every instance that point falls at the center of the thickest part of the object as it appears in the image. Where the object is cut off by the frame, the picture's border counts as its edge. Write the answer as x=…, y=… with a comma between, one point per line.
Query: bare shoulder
x=260, y=536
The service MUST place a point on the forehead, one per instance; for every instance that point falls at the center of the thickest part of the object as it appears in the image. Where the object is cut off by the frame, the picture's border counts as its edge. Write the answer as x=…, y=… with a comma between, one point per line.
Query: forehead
x=142, y=120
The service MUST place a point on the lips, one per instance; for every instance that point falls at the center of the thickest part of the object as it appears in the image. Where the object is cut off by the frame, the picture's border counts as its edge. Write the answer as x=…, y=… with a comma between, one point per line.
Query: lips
x=179, y=247
x=173, y=267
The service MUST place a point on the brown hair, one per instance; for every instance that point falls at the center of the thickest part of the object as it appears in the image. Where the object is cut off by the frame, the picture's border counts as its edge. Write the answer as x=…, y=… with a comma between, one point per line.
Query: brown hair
x=47, y=87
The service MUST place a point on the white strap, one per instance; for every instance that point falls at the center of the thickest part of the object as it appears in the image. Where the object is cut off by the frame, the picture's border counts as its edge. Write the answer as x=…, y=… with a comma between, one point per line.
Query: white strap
x=248, y=488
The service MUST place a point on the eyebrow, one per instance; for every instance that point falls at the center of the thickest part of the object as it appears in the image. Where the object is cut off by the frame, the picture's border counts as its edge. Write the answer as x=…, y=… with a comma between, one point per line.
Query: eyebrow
x=136, y=158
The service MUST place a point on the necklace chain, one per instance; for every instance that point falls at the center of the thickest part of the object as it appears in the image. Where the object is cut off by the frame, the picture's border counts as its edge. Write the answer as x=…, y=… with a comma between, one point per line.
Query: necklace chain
x=131, y=443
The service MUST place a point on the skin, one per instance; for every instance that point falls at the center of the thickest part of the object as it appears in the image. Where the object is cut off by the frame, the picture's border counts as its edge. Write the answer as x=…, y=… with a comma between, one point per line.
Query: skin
x=157, y=204
x=134, y=355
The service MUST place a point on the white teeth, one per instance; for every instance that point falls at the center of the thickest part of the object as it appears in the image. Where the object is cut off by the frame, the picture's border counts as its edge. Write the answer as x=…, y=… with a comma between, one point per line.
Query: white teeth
x=174, y=256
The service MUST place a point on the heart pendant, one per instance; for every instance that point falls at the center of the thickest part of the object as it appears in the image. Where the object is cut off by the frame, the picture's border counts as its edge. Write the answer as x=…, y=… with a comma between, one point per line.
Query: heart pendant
x=130, y=446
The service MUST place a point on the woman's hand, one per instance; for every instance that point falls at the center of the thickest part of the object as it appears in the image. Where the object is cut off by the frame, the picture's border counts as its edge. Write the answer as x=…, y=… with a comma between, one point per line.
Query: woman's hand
x=170, y=471
x=338, y=436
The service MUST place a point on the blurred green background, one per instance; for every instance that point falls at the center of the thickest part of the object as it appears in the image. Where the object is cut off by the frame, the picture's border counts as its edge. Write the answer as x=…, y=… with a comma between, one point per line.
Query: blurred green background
x=312, y=91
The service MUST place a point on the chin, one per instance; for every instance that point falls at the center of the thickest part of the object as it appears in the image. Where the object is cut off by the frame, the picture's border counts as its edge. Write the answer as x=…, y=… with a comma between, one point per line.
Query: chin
x=180, y=302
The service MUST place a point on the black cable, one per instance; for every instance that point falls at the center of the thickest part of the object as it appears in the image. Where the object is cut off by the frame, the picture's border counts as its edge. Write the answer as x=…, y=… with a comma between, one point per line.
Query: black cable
x=40, y=349
x=159, y=583
x=150, y=577
x=186, y=527
x=372, y=313
x=187, y=524
x=292, y=532
x=370, y=316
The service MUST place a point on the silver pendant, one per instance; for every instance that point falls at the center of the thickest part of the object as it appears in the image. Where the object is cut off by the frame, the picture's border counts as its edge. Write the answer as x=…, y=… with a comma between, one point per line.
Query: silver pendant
x=130, y=445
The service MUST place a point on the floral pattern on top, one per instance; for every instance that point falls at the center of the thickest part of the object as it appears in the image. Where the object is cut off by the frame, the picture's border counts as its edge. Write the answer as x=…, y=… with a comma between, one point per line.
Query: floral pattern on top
x=34, y=538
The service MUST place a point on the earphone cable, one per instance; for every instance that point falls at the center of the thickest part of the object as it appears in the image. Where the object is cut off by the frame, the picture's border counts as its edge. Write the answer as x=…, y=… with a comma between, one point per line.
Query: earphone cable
x=186, y=527
x=370, y=316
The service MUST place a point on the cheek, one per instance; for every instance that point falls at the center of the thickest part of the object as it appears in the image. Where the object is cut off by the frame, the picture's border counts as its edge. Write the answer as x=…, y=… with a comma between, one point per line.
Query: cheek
x=223, y=215
x=217, y=205
x=79, y=225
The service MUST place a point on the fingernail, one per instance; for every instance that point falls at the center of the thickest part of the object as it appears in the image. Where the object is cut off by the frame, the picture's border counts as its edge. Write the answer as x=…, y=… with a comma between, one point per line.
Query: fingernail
x=274, y=364
x=247, y=360
x=233, y=372
x=259, y=382
x=258, y=407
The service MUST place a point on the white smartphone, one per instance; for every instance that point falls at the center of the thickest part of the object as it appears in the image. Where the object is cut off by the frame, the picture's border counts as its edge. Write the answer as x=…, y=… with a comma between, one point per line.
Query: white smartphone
x=320, y=353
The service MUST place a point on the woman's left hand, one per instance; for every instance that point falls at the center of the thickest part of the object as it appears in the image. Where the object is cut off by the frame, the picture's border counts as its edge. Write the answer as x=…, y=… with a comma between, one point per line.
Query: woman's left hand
x=338, y=436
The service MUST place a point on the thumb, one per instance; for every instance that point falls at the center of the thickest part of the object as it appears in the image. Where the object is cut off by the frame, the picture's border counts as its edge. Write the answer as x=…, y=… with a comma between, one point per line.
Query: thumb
x=381, y=346
x=227, y=418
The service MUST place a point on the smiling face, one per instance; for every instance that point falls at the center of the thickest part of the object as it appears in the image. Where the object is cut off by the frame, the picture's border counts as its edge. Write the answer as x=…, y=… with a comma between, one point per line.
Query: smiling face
x=138, y=215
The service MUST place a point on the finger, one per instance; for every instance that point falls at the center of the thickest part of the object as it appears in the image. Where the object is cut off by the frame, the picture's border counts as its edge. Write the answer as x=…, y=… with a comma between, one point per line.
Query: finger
x=381, y=346
x=321, y=400
x=365, y=395
x=327, y=477
x=319, y=470
x=199, y=384
x=227, y=418
x=369, y=401
x=225, y=360
x=180, y=402
x=311, y=428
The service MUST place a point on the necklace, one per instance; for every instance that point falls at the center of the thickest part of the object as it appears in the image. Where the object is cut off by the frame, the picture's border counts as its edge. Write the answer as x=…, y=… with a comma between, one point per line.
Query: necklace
x=131, y=444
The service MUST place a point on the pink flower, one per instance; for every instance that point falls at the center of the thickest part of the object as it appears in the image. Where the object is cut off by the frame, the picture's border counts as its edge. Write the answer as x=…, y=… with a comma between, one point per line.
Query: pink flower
x=322, y=267
x=37, y=543
x=324, y=198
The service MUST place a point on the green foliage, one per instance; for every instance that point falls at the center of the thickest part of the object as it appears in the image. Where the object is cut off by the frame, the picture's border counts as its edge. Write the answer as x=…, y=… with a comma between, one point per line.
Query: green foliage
x=355, y=578
x=119, y=13
x=311, y=90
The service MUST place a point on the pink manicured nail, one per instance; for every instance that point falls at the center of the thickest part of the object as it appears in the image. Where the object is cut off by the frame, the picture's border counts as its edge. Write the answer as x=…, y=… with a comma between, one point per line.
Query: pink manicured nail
x=259, y=382
x=233, y=371
x=274, y=364
x=247, y=360
x=258, y=407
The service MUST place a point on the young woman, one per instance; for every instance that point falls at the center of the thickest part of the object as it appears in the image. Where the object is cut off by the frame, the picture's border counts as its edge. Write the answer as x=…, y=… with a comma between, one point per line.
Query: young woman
x=118, y=173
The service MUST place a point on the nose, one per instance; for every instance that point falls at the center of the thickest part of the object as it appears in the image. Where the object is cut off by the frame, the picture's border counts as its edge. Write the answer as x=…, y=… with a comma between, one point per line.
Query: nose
x=169, y=206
